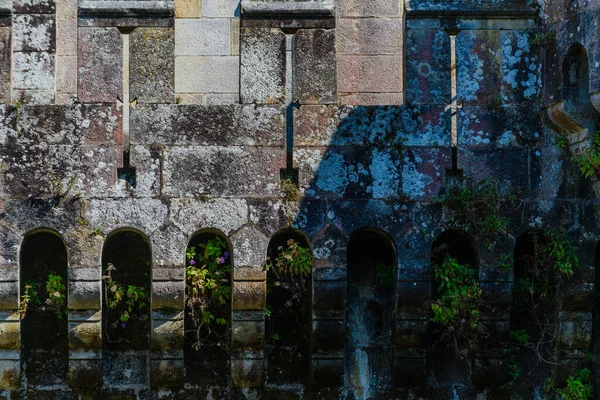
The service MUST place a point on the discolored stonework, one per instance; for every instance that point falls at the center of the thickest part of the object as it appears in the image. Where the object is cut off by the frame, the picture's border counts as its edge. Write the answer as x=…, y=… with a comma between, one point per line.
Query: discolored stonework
x=356, y=99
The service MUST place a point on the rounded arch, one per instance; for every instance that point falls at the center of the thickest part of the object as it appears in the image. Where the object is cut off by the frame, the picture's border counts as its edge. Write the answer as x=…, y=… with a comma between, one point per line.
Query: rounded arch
x=208, y=309
x=127, y=288
x=43, y=275
x=457, y=244
x=288, y=324
x=575, y=73
x=370, y=303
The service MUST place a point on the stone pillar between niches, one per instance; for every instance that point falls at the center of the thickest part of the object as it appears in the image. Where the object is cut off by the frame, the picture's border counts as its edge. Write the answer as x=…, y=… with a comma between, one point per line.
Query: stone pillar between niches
x=410, y=329
x=575, y=316
x=249, y=247
x=329, y=308
x=10, y=369
x=85, y=327
x=166, y=349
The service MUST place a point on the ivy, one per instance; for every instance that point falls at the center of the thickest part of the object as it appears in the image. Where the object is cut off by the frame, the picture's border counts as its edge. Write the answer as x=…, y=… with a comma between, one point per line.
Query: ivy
x=577, y=387
x=208, y=285
x=456, y=307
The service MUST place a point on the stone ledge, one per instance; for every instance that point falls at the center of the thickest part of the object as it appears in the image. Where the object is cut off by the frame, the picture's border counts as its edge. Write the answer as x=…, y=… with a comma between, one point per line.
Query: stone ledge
x=126, y=8
x=287, y=9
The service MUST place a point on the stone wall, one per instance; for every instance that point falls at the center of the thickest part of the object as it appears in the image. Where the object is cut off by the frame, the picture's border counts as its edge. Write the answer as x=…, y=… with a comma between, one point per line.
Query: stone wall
x=158, y=121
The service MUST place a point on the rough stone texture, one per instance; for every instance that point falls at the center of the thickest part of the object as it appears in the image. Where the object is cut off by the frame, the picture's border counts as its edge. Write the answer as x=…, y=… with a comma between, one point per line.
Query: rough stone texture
x=314, y=66
x=5, y=64
x=34, y=32
x=369, y=36
x=262, y=66
x=100, y=60
x=220, y=8
x=372, y=74
x=187, y=8
x=151, y=65
x=33, y=71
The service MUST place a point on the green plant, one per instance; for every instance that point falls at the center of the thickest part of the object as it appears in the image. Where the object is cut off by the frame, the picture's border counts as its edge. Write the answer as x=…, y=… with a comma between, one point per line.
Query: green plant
x=207, y=285
x=589, y=162
x=56, y=290
x=577, y=387
x=290, y=190
x=126, y=299
x=544, y=38
x=97, y=232
x=561, y=143
x=505, y=262
x=385, y=273
x=456, y=306
x=28, y=299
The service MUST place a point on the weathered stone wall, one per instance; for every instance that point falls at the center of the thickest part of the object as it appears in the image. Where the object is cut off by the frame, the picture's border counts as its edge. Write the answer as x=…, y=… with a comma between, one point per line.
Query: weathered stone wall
x=172, y=118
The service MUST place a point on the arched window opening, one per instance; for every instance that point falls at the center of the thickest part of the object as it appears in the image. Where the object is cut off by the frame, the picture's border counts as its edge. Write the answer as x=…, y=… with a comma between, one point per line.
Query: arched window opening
x=534, y=308
x=289, y=315
x=208, y=309
x=43, y=309
x=369, y=312
x=455, y=308
x=127, y=277
x=576, y=75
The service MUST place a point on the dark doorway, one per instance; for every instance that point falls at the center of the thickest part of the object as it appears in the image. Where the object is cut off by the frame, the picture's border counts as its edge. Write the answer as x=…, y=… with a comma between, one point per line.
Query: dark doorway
x=43, y=309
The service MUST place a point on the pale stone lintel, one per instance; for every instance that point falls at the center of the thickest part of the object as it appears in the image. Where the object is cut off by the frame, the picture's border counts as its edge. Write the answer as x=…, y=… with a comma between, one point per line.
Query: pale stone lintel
x=10, y=354
x=287, y=9
x=126, y=8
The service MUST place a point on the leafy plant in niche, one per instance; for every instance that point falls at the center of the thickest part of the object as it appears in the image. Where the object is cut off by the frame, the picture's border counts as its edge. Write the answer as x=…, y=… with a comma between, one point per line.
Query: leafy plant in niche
x=589, y=162
x=456, y=306
x=126, y=299
x=577, y=387
x=208, y=287
x=55, y=299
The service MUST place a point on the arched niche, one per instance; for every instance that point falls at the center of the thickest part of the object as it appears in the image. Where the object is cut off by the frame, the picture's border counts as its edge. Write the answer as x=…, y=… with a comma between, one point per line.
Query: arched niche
x=449, y=361
x=208, y=309
x=534, y=307
x=43, y=309
x=127, y=278
x=576, y=75
x=372, y=277
x=288, y=318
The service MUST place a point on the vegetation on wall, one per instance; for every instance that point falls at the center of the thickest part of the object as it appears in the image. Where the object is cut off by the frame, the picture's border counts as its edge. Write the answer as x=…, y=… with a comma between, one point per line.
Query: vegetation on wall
x=589, y=162
x=125, y=300
x=207, y=286
x=55, y=297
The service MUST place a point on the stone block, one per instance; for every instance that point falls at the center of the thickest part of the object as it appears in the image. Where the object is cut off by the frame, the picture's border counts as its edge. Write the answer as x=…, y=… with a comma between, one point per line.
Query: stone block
x=100, y=78
x=222, y=99
x=249, y=295
x=222, y=171
x=248, y=334
x=369, y=36
x=262, y=66
x=372, y=74
x=496, y=293
x=413, y=294
x=167, y=373
x=102, y=124
x=577, y=296
x=478, y=68
x=314, y=66
x=427, y=67
x=422, y=171
x=5, y=64
x=147, y=161
x=85, y=373
x=34, y=32
x=166, y=335
x=147, y=215
x=34, y=6
x=575, y=330
x=33, y=71
x=10, y=374
x=410, y=333
x=9, y=295
x=225, y=126
x=207, y=74
x=328, y=335
x=10, y=335
x=250, y=246
x=327, y=372
x=151, y=65
x=125, y=369
x=85, y=335
x=66, y=74
x=330, y=250
x=374, y=99
x=202, y=37
x=226, y=215
x=85, y=295
x=368, y=8
x=247, y=373
x=66, y=10
x=521, y=71
x=187, y=8
x=168, y=294
x=234, y=45
x=409, y=372
x=329, y=295
x=220, y=8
